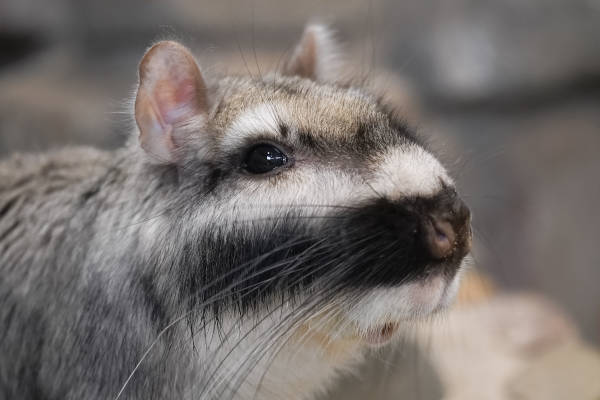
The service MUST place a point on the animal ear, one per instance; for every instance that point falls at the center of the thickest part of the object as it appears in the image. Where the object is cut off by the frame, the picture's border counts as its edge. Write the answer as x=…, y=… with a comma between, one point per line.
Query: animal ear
x=171, y=93
x=316, y=56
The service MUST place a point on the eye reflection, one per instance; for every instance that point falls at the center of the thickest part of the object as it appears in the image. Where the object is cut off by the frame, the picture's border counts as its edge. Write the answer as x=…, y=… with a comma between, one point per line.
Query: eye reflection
x=264, y=158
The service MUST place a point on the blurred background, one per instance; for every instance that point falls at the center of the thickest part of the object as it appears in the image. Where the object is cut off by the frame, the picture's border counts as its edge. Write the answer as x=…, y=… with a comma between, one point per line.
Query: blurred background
x=507, y=90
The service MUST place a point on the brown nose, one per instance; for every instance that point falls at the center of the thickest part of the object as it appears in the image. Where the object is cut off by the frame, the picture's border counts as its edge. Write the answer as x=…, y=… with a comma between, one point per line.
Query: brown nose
x=447, y=230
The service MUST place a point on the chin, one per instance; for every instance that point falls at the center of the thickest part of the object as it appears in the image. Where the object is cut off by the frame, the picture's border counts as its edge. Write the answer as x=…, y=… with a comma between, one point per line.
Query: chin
x=378, y=315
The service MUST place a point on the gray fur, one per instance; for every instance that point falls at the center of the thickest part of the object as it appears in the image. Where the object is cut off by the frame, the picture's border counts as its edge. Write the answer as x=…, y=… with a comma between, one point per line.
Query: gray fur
x=63, y=334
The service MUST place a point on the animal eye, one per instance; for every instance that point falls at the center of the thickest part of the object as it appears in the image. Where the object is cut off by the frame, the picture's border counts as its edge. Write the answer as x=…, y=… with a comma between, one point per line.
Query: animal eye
x=264, y=158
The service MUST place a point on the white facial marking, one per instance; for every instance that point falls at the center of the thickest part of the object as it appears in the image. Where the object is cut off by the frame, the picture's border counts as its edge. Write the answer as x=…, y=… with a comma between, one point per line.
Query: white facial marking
x=307, y=191
x=409, y=171
x=263, y=119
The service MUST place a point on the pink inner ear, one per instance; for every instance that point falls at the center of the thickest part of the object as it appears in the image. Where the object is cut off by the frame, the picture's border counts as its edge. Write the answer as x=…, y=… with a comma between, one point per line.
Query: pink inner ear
x=176, y=99
x=171, y=93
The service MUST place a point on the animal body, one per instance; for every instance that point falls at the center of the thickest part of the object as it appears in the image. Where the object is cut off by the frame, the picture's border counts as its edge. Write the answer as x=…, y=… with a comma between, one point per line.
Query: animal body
x=252, y=240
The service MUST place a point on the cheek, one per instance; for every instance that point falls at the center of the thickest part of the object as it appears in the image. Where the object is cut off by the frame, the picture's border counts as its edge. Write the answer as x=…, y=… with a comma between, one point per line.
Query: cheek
x=302, y=191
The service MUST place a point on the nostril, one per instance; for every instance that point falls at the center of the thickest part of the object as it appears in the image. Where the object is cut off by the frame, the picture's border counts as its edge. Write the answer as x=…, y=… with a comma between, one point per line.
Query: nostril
x=439, y=237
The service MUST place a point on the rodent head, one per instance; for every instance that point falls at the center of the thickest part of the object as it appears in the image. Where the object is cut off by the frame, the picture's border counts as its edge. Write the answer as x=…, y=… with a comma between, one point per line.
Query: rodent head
x=296, y=187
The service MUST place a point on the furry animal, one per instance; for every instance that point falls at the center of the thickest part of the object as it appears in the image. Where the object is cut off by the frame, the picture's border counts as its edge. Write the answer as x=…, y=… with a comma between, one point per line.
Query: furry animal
x=253, y=239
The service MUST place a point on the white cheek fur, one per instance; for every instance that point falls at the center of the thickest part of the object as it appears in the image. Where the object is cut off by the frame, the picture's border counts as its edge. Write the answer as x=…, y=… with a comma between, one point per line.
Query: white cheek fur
x=307, y=192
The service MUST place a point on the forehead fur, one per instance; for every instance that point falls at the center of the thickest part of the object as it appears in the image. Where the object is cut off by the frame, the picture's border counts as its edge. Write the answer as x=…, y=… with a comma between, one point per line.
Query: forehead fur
x=318, y=113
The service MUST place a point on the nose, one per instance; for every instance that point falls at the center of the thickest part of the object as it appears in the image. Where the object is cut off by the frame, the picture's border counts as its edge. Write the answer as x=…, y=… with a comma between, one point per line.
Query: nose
x=447, y=228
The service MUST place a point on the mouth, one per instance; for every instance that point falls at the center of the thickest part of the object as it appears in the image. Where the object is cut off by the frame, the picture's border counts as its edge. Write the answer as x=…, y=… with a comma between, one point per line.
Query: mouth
x=380, y=314
x=374, y=316
x=377, y=316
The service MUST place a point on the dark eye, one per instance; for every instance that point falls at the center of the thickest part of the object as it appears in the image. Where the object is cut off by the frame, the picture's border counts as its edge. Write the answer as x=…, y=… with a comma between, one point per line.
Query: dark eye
x=264, y=158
